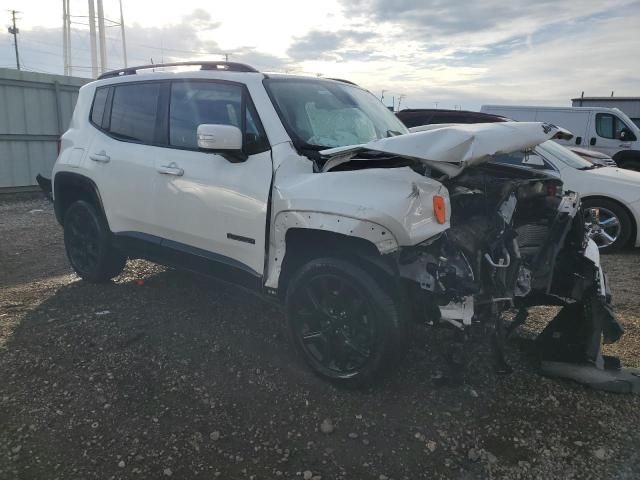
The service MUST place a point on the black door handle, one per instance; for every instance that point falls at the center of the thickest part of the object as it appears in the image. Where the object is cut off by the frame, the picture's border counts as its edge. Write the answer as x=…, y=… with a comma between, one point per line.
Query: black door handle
x=592, y=141
x=578, y=140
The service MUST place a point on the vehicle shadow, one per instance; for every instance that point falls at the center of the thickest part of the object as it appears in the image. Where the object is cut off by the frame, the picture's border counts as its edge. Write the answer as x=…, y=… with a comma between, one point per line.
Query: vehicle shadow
x=158, y=362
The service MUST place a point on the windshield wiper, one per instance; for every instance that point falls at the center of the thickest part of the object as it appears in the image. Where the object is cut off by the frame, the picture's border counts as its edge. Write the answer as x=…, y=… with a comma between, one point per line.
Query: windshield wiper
x=311, y=147
x=590, y=167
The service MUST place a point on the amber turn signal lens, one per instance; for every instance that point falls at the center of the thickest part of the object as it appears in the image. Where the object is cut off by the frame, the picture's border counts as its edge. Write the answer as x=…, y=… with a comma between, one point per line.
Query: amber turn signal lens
x=439, y=209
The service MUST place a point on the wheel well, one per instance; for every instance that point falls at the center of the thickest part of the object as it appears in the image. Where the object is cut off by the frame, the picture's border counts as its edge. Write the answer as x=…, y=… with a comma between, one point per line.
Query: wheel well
x=624, y=156
x=304, y=244
x=71, y=187
x=634, y=227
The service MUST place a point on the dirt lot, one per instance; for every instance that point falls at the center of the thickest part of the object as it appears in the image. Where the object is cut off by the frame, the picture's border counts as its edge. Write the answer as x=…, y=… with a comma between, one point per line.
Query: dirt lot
x=165, y=374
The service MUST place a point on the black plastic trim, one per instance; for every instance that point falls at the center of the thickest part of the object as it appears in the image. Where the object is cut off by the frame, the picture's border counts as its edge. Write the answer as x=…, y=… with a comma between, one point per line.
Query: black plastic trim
x=186, y=257
x=240, y=238
x=215, y=65
x=70, y=178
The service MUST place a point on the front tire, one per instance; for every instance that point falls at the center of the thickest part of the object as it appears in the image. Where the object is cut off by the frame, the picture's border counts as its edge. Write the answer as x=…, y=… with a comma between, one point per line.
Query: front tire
x=608, y=223
x=87, y=240
x=346, y=327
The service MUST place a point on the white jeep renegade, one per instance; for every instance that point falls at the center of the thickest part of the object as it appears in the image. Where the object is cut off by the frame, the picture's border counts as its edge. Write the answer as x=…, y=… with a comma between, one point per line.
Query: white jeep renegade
x=312, y=193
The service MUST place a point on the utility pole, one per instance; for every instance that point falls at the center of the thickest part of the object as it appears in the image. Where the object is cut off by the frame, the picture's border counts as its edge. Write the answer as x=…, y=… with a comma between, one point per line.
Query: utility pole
x=103, y=40
x=92, y=39
x=402, y=97
x=13, y=30
x=124, y=41
x=66, y=36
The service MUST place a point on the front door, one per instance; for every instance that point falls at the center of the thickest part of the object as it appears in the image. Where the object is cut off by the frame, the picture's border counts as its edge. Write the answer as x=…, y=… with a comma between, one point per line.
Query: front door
x=607, y=135
x=207, y=204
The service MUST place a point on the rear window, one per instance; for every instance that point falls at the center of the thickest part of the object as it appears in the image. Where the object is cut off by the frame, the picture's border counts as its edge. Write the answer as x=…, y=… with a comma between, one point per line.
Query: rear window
x=99, y=102
x=134, y=111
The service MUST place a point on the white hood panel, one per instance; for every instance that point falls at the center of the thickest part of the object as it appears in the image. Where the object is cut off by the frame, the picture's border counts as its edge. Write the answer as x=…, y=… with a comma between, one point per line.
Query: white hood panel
x=452, y=148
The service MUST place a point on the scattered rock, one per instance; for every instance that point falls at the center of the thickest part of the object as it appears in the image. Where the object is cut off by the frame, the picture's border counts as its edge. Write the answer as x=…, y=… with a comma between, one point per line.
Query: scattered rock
x=214, y=435
x=353, y=435
x=307, y=474
x=326, y=426
x=121, y=463
x=491, y=458
x=600, y=454
x=431, y=446
x=167, y=472
x=474, y=455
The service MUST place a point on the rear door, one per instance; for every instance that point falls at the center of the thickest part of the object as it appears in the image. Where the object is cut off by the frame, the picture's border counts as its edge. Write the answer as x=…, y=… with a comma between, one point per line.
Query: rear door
x=121, y=154
x=211, y=205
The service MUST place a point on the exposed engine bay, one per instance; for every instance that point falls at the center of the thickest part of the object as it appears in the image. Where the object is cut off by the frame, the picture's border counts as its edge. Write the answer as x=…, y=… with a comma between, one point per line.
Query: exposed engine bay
x=516, y=240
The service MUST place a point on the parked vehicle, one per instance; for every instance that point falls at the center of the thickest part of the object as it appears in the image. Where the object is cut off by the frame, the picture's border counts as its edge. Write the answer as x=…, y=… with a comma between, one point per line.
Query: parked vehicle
x=610, y=195
x=414, y=117
x=310, y=192
x=595, y=157
x=606, y=130
x=629, y=105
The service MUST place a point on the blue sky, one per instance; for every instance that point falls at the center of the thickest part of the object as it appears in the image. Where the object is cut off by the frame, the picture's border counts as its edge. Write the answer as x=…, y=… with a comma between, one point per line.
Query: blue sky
x=447, y=52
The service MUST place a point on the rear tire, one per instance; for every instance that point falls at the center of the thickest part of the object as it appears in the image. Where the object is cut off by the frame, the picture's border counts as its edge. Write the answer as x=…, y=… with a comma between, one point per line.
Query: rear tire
x=87, y=240
x=613, y=231
x=345, y=326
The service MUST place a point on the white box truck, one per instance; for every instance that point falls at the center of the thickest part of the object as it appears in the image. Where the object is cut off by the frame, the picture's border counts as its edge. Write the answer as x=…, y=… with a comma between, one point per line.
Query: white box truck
x=607, y=130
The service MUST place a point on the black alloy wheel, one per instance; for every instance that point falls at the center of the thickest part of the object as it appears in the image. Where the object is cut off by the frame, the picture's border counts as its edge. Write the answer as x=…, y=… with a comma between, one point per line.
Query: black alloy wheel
x=87, y=240
x=343, y=323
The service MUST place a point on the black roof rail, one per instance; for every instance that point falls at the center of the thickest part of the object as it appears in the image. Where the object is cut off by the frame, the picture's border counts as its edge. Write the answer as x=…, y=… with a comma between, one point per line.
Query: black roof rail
x=207, y=65
x=343, y=81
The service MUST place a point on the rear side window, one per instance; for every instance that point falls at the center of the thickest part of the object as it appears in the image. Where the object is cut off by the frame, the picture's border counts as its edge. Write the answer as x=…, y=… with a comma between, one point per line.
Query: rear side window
x=99, y=102
x=134, y=111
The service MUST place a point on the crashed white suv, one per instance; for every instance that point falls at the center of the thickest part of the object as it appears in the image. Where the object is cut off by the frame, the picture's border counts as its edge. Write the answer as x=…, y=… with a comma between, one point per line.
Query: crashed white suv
x=311, y=192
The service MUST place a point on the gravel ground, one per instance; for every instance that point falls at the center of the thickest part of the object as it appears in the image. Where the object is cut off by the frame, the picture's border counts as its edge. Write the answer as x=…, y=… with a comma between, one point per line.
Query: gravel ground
x=166, y=374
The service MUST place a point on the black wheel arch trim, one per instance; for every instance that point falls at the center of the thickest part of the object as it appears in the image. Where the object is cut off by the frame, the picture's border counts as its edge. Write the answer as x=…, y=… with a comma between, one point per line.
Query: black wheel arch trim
x=623, y=156
x=77, y=180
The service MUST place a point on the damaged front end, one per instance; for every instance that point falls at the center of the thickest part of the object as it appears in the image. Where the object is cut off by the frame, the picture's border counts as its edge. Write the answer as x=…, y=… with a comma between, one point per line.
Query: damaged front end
x=516, y=241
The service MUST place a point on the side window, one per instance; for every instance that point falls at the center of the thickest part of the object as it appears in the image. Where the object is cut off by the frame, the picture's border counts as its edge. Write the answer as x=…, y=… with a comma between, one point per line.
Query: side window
x=255, y=139
x=523, y=159
x=515, y=158
x=99, y=102
x=605, y=125
x=195, y=103
x=134, y=110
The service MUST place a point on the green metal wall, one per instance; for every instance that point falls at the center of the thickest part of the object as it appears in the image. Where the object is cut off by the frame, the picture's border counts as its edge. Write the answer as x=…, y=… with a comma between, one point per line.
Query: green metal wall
x=35, y=109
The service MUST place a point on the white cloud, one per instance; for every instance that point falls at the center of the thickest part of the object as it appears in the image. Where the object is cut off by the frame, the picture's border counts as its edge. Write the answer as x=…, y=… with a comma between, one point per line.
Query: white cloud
x=446, y=51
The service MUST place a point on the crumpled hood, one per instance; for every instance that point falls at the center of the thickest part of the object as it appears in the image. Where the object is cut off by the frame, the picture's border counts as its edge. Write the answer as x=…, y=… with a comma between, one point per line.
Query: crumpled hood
x=450, y=149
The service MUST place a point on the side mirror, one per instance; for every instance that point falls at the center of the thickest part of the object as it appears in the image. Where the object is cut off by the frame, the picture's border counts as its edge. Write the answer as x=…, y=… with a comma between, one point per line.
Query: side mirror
x=626, y=135
x=219, y=137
